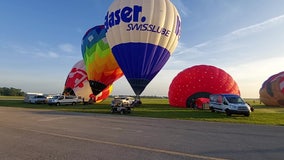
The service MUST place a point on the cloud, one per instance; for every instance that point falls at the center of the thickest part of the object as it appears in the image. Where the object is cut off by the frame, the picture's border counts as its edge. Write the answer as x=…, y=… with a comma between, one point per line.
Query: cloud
x=250, y=76
x=66, y=47
x=41, y=49
x=48, y=54
x=181, y=7
x=243, y=32
x=249, y=42
x=257, y=27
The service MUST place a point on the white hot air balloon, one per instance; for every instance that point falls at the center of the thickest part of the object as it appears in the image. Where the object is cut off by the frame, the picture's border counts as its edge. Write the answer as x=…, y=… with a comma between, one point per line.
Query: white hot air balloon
x=142, y=35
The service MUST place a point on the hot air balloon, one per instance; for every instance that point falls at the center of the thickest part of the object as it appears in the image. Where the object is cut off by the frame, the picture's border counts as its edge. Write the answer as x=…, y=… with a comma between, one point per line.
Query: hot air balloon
x=198, y=82
x=101, y=66
x=77, y=84
x=142, y=36
x=272, y=91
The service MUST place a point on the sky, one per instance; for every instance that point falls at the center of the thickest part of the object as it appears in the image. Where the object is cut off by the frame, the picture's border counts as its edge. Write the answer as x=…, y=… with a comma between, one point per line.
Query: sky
x=40, y=41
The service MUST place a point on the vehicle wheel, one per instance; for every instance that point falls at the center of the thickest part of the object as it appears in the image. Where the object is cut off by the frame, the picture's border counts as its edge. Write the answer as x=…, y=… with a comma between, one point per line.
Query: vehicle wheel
x=212, y=109
x=122, y=111
x=247, y=114
x=228, y=112
x=57, y=104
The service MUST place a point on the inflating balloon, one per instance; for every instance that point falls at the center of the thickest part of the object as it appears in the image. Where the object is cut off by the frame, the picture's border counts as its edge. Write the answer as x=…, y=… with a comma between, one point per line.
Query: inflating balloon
x=103, y=94
x=272, y=91
x=101, y=66
x=77, y=84
x=199, y=82
x=142, y=36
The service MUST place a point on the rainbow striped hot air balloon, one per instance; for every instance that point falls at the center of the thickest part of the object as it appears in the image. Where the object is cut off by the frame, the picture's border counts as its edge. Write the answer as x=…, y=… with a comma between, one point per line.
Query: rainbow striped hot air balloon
x=101, y=66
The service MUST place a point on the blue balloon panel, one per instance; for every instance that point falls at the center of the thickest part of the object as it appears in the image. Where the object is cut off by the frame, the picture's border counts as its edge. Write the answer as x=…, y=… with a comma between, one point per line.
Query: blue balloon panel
x=140, y=62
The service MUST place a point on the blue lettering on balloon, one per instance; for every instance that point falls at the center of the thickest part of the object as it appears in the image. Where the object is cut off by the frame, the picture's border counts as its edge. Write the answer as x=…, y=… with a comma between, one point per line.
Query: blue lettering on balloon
x=144, y=27
x=117, y=17
x=134, y=27
x=133, y=16
x=126, y=14
x=178, y=26
x=148, y=27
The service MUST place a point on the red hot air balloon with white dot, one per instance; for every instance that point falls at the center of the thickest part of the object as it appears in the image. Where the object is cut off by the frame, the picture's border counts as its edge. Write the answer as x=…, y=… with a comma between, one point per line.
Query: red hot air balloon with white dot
x=197, y=83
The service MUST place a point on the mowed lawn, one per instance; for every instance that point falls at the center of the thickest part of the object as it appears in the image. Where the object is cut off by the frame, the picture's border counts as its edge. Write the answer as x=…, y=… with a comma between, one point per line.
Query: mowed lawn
x=160, y=108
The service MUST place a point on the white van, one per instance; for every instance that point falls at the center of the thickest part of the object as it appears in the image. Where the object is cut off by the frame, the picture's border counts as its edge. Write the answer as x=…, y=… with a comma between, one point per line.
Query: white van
x=29, y=96
x=229, y=103
x=64, y=100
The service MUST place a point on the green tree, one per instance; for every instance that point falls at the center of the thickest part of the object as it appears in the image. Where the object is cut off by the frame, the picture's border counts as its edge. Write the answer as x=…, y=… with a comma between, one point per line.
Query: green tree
x=5, y=91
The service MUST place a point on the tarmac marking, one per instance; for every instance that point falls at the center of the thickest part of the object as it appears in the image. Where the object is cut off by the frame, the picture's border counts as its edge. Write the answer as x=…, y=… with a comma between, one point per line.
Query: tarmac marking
x=126, y=145
x=51, y=119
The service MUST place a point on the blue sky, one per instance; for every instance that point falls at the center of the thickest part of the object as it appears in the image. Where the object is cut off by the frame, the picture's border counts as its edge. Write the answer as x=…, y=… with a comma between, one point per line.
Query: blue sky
x=40, y=41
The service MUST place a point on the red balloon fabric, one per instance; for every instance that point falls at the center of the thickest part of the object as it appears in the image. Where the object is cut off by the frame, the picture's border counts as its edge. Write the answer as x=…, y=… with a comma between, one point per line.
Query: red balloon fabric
x=77, y=84
x=199, y=82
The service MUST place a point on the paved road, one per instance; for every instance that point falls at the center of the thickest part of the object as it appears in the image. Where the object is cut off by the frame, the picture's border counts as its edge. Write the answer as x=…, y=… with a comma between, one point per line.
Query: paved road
x=29, y=134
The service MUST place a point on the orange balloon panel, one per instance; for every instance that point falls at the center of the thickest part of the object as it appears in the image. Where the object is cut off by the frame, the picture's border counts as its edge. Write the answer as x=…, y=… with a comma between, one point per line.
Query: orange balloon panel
x=272, y=91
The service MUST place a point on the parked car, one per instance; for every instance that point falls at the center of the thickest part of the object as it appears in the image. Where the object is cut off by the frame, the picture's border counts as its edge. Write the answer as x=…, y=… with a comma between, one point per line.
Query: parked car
x=29, y=96
x=38, y=99
x=122, y=104
x=64, y=100
x=229, y=103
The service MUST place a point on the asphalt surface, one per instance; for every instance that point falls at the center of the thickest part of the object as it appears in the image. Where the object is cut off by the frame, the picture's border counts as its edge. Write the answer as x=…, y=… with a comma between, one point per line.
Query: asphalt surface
x=34, y=134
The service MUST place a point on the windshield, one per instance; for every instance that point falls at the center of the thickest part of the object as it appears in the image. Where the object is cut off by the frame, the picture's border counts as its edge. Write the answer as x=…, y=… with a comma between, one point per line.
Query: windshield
x=55, y=97
x=234, y=99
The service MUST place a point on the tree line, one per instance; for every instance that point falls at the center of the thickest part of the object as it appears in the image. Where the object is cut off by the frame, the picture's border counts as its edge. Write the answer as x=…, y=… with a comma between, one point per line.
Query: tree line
x=5, y=91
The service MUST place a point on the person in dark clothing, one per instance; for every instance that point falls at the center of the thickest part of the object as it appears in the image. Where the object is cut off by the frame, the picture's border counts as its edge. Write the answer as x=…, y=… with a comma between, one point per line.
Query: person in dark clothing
x=193, y=105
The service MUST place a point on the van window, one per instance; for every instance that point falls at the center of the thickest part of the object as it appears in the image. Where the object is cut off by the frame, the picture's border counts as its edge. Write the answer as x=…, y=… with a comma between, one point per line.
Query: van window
x=219, y=99
x=234, y=99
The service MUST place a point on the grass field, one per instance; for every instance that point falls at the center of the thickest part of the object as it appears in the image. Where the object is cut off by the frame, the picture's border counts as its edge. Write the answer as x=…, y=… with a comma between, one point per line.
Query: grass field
x=160, y=108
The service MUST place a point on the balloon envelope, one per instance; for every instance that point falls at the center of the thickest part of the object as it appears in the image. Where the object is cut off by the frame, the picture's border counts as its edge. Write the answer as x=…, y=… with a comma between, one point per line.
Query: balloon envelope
x=77, y=84
x=142, y=35
x=199, y=82
x=272, y=91
x=101, y=66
